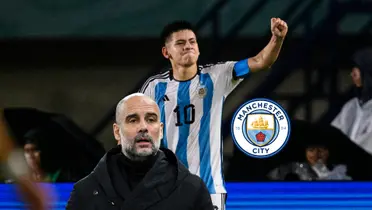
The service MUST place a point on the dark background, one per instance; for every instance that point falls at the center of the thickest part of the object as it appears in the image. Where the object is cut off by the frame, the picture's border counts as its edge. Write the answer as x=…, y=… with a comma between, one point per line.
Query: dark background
x=78, y=58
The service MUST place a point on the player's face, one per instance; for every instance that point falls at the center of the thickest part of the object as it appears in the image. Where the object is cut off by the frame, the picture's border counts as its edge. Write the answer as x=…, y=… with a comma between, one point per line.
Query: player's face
x=182, y=48
x=140, y=130
x=356, y=77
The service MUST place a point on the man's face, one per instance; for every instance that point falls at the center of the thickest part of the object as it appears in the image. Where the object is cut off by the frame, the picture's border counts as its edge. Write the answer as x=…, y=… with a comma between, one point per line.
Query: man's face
x=139, y=129
x=32, y=155
x=182, y=48
x=356, y=77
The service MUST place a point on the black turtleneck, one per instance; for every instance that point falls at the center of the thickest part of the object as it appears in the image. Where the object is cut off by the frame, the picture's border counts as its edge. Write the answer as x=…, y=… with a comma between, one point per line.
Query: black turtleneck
x=135, y=170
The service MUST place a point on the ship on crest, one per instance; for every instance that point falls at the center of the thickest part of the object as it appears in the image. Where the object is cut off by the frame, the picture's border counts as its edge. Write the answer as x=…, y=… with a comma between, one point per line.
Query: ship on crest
x=260, y=123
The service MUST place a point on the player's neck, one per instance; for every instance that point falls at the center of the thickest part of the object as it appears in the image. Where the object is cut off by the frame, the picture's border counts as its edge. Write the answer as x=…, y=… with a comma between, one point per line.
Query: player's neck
x=182, y=73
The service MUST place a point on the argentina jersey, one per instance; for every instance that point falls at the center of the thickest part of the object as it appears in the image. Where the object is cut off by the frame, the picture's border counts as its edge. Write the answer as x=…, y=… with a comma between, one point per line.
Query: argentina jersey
x=192, y=115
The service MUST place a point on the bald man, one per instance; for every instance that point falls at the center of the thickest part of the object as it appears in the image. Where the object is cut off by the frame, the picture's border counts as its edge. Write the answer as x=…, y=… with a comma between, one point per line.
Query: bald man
x=137, y=175
x=15, y=167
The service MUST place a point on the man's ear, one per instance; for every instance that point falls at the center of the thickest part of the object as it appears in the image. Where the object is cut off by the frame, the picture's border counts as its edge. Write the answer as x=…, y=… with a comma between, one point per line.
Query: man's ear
x=161, y=131
x=116, y=130
x=165, y=53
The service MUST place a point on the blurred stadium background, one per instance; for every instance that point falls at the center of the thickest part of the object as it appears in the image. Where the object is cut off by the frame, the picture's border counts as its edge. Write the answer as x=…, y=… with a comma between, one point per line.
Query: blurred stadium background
x=79, y=58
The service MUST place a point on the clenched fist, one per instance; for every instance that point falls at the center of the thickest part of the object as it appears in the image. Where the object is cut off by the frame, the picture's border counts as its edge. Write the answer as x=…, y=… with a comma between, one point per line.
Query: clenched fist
x=279, y=28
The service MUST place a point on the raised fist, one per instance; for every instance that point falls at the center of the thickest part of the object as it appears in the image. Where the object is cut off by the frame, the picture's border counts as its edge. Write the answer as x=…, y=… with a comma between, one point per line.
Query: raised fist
x=279, y=28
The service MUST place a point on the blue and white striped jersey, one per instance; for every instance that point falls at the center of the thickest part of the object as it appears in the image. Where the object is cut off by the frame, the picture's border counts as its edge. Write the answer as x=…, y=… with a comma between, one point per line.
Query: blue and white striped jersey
x=192, y=115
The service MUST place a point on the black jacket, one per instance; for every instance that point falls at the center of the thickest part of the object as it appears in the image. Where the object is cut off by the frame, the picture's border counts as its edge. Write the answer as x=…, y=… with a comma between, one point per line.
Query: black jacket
x=167, y=185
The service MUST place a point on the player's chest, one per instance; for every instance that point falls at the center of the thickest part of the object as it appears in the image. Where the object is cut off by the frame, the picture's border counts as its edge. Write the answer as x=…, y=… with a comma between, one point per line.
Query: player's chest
x=178, y=93
x=180, y=102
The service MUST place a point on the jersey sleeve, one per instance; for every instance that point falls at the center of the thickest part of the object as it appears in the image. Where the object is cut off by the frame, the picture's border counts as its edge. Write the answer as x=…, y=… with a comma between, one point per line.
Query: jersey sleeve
x=148, y=88
x=230, y=74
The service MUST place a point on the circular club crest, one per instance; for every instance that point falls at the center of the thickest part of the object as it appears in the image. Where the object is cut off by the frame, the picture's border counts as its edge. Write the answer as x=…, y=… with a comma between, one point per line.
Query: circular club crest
x=260, y=128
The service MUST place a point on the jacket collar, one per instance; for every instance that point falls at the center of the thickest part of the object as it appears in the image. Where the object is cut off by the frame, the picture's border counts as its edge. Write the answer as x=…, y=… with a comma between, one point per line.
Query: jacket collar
x=162, y=179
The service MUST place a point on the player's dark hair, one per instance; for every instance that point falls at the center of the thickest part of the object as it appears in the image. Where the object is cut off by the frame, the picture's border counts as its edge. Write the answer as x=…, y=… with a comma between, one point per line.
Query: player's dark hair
x=173, y=27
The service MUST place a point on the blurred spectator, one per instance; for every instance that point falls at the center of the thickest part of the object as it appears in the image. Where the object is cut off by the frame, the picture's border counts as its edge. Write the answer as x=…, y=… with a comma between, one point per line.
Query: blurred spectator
x=355, y=118
x=44, y=159
x=32, y=155
x=42, y=171
x=315, y=167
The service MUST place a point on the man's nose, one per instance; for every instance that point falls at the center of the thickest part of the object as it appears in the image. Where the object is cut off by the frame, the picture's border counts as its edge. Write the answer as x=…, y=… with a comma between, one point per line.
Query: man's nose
x=188, y=45
x=143, y=126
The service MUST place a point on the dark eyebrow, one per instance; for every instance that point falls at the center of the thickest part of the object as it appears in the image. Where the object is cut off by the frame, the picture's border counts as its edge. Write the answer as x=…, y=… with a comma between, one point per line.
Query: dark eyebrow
x=131, y=116
x=182, y=40
x=151, y=114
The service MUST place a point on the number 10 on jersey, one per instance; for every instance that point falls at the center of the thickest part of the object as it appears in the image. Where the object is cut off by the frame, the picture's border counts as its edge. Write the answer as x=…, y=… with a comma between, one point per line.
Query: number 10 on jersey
x=184, y=114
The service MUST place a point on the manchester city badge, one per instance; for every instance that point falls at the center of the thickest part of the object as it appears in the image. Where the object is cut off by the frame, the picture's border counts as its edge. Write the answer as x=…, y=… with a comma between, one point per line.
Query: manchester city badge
x=260, y=128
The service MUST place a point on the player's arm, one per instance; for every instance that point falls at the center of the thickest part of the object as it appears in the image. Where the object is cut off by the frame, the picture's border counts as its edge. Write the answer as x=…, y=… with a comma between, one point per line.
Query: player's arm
x=268, y=55
x=148, y=88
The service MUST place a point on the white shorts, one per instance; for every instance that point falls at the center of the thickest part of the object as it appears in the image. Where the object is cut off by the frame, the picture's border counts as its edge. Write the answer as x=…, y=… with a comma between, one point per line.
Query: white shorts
x=219, y=201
